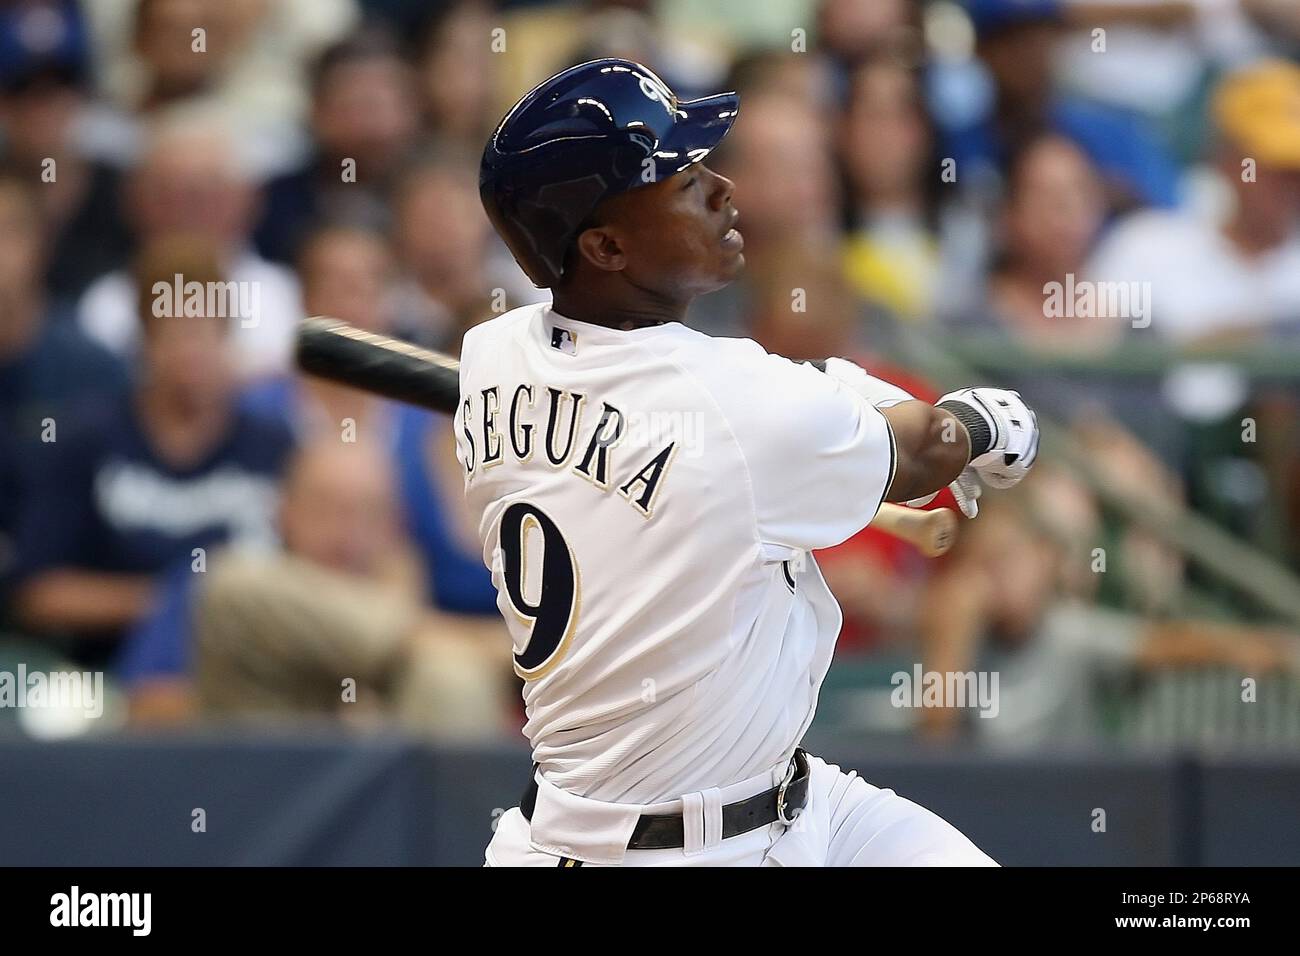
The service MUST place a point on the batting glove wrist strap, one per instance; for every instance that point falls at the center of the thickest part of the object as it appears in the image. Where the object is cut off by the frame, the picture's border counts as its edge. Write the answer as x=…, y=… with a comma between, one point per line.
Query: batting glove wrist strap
x=978, y=425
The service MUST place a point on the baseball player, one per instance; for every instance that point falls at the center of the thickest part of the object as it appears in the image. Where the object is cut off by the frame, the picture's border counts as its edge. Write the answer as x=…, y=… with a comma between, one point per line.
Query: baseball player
x=647, y=497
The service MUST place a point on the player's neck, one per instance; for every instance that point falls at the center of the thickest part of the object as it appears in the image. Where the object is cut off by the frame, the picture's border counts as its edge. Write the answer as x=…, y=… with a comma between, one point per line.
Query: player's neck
x=618, y=312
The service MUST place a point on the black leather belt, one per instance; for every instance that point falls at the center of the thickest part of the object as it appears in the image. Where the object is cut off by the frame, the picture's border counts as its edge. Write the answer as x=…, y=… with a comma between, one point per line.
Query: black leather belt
x=667, y=831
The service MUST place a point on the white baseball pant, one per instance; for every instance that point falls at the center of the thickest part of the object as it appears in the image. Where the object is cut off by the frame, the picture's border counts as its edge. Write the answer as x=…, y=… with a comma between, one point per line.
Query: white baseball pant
x=846, y=822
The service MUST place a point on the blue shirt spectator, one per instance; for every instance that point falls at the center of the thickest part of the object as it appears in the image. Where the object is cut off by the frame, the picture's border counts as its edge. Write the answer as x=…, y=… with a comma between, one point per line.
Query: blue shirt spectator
x=458, y=580
x=101, y=499
x=45, y=363
x=57, y=367
x=985, y=111
x=159, y=646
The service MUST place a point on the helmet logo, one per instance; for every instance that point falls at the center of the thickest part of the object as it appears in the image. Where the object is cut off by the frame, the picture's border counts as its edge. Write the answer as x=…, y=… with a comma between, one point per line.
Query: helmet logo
x=654, y=89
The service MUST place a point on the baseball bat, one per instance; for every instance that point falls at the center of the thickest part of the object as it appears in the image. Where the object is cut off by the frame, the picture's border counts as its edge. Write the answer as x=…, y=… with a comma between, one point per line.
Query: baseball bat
x=334, y=350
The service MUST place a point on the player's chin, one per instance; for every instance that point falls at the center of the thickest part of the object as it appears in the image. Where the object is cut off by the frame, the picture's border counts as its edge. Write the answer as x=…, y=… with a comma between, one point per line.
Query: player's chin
x=723, y=274
x=730, y=266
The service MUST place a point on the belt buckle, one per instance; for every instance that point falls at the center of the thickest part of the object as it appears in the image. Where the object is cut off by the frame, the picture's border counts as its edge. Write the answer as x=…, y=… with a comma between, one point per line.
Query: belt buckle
x=780, y=796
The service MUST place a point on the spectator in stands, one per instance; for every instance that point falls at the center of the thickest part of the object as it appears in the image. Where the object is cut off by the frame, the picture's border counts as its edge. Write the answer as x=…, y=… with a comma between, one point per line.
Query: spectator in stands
x=132, y=485
x=446, y=253
x=1025, y=611
x=1236, y=274
x=803, y=307
x=432, y=489
x=346, y=273
x=364, y=122
x=1155, y=57
x=243, y=60
x=1154, y=572
x=334, y=624
x=42, y=101
x=1053, y=212
x=1016, y=40
x=758, y=73
x=1043, y=298
x=46, y=364
x=894, y=186
x=852, y=31
x=156, y=56
x=163, y=35
x=458, y=73
x=191, y=181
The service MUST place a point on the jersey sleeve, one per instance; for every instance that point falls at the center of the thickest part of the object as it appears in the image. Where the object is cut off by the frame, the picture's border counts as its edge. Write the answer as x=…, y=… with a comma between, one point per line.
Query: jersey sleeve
x=819, y=456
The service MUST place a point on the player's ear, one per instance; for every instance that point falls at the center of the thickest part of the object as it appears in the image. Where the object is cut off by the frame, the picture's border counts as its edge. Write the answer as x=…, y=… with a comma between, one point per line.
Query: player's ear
x=600, y=246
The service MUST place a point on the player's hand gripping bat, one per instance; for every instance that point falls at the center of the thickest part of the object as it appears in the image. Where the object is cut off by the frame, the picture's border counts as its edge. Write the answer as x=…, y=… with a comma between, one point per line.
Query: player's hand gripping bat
x=407, y=373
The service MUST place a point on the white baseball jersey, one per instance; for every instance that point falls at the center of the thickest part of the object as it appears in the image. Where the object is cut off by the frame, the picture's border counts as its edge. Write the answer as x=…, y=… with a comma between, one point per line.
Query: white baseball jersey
x=646, y=502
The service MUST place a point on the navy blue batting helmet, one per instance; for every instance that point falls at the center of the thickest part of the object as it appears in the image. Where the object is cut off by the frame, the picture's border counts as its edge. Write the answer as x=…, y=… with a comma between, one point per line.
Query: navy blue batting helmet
x=593, y=131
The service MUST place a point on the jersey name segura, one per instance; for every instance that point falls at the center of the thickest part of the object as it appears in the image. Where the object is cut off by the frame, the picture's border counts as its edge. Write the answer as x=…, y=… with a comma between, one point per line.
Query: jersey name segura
x=497, y=422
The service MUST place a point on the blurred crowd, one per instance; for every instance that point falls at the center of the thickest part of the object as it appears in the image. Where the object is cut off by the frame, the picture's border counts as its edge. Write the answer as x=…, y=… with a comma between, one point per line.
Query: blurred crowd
x=1060, y=187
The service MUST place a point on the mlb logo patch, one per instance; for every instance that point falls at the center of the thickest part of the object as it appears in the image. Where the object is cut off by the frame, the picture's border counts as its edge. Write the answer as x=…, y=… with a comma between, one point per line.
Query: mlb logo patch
x=564, y=340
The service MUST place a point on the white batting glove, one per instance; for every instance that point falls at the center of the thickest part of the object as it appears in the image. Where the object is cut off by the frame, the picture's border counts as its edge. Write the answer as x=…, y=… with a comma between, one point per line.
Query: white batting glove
x=1003, y=426
x=966, y=490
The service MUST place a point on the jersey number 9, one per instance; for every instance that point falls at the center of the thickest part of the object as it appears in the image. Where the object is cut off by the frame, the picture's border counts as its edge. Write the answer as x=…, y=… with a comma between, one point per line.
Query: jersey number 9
x=554, y=615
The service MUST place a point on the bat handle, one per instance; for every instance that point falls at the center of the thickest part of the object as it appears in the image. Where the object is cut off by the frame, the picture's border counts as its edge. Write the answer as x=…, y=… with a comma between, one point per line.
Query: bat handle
x=933, y=533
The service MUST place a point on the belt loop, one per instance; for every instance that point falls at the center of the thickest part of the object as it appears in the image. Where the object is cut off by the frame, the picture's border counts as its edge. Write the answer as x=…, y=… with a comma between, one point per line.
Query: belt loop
x=693, y=823
x=712, y=817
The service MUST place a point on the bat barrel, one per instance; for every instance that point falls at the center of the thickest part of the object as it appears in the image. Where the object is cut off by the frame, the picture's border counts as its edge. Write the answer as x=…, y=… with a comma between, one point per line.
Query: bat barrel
x=374, y=363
